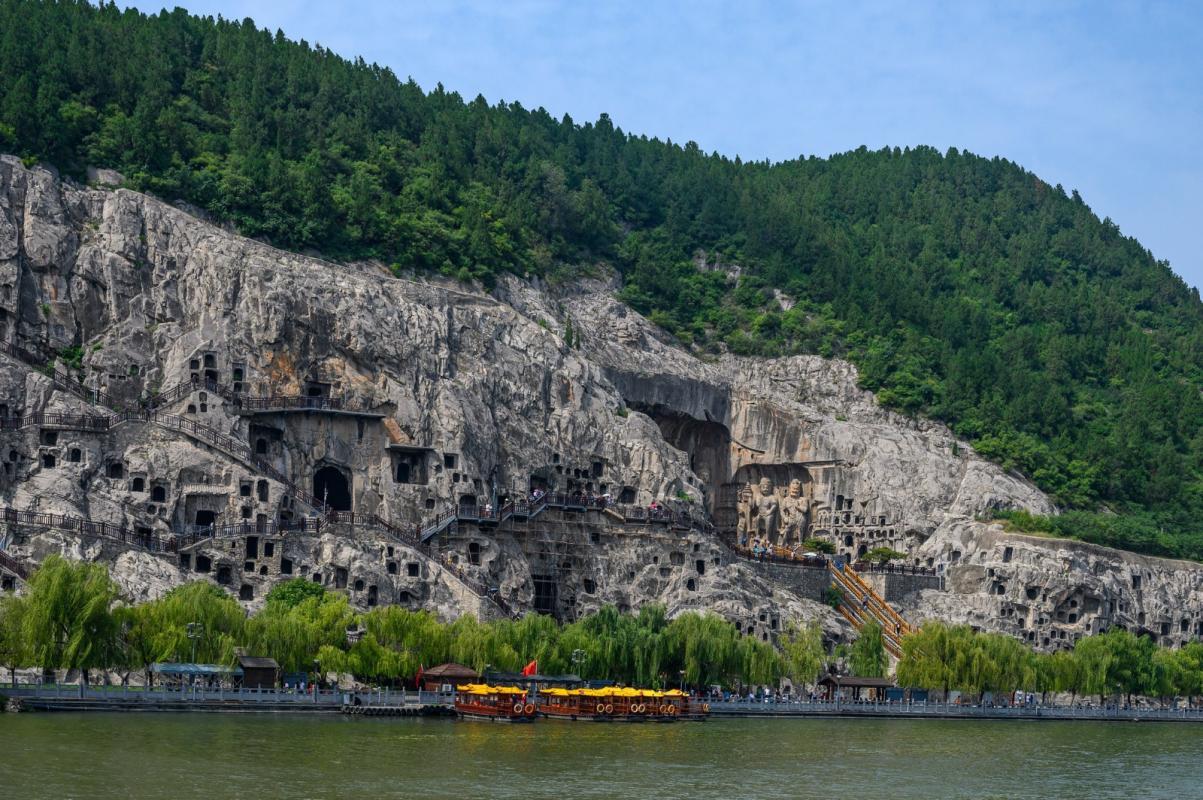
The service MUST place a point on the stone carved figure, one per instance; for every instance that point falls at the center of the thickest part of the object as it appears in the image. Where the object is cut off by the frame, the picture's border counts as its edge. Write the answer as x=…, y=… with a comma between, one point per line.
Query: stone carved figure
x=795, y=513
x=759, y=513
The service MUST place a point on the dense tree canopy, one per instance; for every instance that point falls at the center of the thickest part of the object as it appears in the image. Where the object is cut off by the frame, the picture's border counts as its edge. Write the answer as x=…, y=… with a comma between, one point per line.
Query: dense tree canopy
x=73, y=618
x=1109, y=665
x=964, y=288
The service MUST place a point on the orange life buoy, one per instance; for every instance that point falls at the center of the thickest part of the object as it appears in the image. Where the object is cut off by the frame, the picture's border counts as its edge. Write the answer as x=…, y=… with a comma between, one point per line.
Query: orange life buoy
x=672, y=709
x=609, y=708
x=517, y=708
x=530, y=709
x=706, y=707
x=664, y=709
x=601, y=707
x=640, y=708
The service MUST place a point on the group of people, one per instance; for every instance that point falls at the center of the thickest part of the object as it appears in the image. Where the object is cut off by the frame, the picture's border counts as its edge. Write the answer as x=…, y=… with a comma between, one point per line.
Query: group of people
x=761, y=550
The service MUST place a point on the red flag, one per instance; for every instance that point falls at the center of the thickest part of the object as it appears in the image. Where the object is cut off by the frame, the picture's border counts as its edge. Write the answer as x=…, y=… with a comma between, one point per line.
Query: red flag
x=530, y=669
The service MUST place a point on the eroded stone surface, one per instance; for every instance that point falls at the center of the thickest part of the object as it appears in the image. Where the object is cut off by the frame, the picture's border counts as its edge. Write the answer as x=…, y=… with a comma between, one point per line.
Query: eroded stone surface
x=465, y=397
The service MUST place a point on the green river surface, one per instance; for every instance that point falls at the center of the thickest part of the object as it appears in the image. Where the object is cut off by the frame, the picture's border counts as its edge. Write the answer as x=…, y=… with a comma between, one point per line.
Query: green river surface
x=214, y=756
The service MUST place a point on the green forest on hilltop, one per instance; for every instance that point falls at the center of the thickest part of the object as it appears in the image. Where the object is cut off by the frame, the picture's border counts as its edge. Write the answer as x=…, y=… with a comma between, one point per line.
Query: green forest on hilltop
x=964, y=288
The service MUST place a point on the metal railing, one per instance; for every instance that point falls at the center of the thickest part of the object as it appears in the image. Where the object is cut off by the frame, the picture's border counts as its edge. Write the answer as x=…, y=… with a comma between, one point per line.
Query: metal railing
x=85, y=527
x=894, y=708
x=13, y=565
x=247, y=402
x=44, y=364
x=895, y=569
x=527, y=510
x=124, y=694
x=83, y=422
x=860, y=603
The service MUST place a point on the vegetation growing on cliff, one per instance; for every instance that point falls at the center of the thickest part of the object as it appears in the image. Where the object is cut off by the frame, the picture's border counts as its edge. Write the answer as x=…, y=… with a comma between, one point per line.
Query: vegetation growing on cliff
x=964, y=288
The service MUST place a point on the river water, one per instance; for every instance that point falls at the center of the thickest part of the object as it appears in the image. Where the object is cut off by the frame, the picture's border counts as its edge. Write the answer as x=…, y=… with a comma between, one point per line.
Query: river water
x=215, y=756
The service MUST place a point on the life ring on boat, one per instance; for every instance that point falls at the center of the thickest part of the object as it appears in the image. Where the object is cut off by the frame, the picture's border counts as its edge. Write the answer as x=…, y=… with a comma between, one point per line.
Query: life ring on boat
x=601, y=708
x=672, y=710
x=529, y=709
x=706, y=707
x=664, y=709
x=639, y=708
x=609, y=708
x=517, y=708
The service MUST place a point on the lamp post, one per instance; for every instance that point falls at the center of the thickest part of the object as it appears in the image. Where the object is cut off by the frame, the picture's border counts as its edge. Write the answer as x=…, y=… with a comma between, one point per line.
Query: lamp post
x=578, y=658
x=681, y=684
x=194, y=631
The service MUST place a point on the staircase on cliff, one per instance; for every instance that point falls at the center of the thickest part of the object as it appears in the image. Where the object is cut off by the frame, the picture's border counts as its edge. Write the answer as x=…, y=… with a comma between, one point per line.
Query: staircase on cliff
x=12, y=566
x=861, y=603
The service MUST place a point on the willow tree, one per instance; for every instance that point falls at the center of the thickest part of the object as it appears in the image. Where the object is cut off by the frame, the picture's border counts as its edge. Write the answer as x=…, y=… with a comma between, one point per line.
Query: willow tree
x=418, y=634
x=67, y=619
x=369, y=659
x=1060, y=672
x=14, y=653
x=1190, y=657
x=930, y=656
x=802, y=652
x=160, y=630
x=999, y=664
x=533, y=638
x=868, y=657
x=1094, y=658
x=294, y=635
x=479, y=645
x=705, y=649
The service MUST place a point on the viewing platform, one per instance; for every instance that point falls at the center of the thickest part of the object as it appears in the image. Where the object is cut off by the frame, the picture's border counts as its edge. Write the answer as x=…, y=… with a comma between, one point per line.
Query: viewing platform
x=300, y=404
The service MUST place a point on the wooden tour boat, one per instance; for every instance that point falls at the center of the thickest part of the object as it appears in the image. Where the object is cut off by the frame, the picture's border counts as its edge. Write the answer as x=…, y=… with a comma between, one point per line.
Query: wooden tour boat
x=620, y=704
x=493, y=703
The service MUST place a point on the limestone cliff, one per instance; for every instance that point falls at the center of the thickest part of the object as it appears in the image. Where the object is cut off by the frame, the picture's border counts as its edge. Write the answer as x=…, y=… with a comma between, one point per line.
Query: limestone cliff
x=303, y=383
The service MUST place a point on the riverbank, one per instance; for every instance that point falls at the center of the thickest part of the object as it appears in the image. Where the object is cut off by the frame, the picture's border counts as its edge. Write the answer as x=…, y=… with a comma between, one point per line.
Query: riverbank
x=946, y=711
x=386, y=702
x=74, y=697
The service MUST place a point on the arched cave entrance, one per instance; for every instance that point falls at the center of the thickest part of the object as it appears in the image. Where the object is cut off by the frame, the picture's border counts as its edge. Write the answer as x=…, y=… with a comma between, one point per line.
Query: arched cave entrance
x=708, y=444
x=331, y=485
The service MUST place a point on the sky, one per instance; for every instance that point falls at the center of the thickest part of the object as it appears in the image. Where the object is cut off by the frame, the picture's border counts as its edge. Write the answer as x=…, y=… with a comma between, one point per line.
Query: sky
x=1105, y=98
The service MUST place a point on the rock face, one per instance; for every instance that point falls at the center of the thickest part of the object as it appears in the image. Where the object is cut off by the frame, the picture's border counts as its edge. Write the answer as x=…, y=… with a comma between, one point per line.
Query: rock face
x=404, y=399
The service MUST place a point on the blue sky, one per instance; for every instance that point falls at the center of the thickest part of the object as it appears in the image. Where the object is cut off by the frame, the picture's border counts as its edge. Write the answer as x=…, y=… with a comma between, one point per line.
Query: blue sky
x=1106, y=98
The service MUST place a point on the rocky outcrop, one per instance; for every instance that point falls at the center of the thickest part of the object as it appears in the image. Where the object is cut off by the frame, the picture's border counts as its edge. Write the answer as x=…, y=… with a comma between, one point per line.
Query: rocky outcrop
x=441, y=396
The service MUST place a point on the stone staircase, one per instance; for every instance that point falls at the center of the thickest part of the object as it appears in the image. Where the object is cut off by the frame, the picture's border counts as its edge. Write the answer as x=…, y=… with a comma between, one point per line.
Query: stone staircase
x=861, y=603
